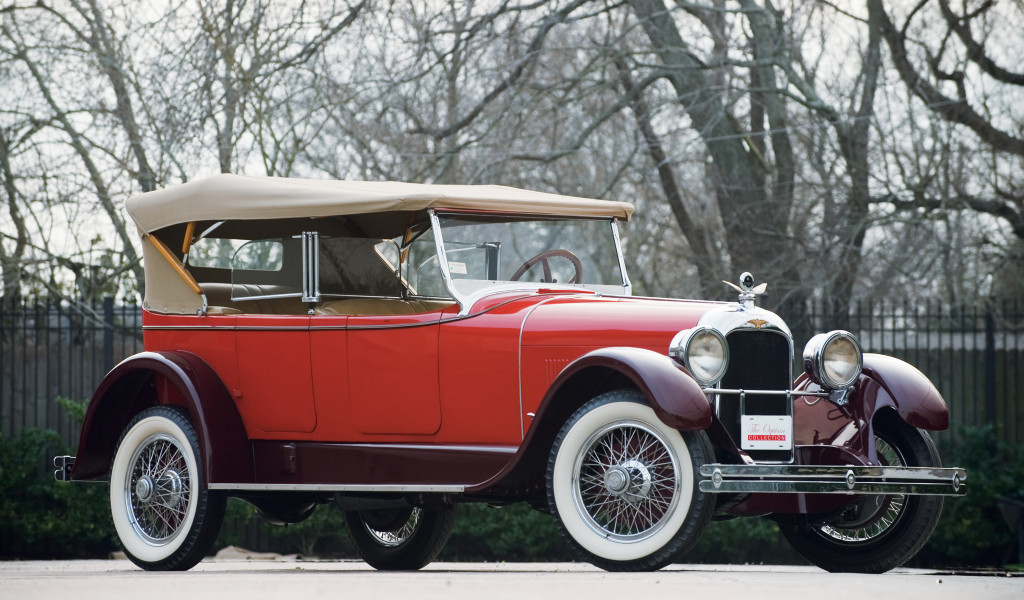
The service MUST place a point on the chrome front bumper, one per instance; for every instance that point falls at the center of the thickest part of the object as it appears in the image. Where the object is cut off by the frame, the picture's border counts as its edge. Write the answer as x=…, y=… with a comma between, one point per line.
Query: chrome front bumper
x=790, y=479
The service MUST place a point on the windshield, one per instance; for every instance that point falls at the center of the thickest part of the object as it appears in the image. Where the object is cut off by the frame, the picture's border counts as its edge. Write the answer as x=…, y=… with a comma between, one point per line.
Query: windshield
x=483, y=251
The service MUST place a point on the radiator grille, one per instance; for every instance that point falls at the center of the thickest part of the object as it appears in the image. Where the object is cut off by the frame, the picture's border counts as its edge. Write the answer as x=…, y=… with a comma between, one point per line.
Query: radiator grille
x=758, y=360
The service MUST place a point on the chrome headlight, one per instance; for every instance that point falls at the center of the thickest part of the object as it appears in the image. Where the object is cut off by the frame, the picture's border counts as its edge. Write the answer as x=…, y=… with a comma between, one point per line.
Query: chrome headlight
x=833, y=359
x=703, y=352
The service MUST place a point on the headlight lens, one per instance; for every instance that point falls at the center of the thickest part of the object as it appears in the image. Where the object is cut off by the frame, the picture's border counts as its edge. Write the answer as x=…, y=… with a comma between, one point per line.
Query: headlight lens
x=833, y=359
x=704, y=353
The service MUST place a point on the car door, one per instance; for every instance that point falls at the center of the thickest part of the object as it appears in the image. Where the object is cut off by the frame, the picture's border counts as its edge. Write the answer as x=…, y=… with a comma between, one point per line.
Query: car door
x=275, y=389
x=392, y=369
x=275, y=381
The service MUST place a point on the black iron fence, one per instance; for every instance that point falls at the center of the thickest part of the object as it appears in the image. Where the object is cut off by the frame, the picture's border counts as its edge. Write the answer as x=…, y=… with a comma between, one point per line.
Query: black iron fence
x=56, y=349
x=974, y=355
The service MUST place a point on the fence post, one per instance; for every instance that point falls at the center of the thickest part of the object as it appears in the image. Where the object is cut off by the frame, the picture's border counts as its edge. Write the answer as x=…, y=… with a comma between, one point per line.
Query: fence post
x=108, y=333
x=990, y=367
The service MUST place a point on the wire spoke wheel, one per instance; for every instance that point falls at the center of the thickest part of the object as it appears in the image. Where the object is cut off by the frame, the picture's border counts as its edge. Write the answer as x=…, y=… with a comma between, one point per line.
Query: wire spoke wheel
x=875, y=533
x=400, y=539
x=159, y=489
x=874, y=515
x=395, y=537
x=627, y=481
x=164, y=516
x=622, y=485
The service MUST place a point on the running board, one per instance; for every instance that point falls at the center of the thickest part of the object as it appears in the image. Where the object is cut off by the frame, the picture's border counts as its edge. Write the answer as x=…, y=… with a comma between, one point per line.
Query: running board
x=789, y=479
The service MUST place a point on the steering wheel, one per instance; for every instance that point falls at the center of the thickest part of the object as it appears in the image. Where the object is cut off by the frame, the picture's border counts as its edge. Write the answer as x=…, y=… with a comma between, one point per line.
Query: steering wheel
x=543, y=258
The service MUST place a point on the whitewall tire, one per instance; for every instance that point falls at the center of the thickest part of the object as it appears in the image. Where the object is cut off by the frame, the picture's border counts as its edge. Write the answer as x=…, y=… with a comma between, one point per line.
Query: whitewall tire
x=622, y=485
x=164, y=516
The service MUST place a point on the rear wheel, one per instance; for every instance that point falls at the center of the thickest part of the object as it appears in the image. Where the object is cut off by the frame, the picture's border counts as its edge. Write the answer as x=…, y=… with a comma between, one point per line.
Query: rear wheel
x=878, y=532
x=401, y=539
x=164, y=516
x=622, y=485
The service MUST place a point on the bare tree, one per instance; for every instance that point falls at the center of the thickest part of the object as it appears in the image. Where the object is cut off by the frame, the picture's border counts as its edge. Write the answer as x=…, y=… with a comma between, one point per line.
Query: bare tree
x=11, y=261
x=60, y=118
x=955, y=71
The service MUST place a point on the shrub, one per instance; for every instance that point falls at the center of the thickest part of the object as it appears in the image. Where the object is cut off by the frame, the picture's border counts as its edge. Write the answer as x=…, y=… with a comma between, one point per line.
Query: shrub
x=508, y=533
x=44, y=518
x=744, y=540
x=972, y=532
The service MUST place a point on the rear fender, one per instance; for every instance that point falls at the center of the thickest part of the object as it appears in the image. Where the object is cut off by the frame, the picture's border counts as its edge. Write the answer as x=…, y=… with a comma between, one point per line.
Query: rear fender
x=165, y=378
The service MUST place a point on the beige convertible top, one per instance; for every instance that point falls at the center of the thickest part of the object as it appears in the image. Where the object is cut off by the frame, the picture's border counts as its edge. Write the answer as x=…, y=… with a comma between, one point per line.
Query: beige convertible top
x=228, y=197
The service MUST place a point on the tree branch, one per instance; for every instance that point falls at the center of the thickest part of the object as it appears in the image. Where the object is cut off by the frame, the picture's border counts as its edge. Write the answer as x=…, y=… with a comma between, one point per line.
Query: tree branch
x=530, y=57
x=954, y=111
x=976, y=51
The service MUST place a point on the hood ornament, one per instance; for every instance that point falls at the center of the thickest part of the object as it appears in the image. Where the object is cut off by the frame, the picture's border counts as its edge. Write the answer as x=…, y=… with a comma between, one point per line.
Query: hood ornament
x=748, y=292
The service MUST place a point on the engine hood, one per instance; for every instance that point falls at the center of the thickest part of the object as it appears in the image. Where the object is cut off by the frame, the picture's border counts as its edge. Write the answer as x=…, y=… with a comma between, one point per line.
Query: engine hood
x=597, y=321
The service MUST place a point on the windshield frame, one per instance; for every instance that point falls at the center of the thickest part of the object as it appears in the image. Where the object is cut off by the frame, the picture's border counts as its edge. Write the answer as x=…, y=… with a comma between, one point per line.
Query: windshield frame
x=467, y=300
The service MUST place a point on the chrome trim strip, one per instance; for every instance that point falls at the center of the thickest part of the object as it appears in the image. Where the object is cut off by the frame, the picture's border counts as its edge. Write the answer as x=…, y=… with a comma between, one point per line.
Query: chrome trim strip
x=794, y=393
x=441, y=447
x=522, y=327
x=321, y=327
x=267, y=297
x=833, y=487
x=225, y=328
x=832, y=479
x=369, y=327
x=331, y=487
x=442, y=261
x=627, y=287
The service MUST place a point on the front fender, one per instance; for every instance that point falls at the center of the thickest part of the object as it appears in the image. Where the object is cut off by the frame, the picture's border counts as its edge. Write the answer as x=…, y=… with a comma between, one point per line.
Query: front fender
x=165, y=378
x=675, y=396
x=907, y=390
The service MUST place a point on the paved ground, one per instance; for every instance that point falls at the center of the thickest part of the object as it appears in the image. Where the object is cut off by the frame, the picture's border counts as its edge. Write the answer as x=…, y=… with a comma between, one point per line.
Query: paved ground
x=284, y=578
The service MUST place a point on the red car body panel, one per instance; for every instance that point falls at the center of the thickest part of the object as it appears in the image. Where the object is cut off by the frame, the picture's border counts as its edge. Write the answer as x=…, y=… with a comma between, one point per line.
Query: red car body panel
x=401, y=400
x=338, y=386
x=434, y=376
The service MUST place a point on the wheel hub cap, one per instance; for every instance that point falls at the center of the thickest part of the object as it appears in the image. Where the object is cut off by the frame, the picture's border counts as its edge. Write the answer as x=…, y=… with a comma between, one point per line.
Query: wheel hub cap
x=616, y=479
x=144, y=489
x=171, y=488
x=631, y=480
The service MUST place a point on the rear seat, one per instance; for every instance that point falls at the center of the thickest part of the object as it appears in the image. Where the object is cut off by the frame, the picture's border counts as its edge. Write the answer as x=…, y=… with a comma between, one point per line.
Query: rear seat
x=379, y=306
x=219, y=302
x=218, y=299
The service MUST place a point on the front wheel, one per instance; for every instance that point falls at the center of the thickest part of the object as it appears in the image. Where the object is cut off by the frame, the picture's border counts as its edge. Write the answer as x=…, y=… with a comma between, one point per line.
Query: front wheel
x=877, y=533
x=164, y=516
x=400, y=539
x=622, y=485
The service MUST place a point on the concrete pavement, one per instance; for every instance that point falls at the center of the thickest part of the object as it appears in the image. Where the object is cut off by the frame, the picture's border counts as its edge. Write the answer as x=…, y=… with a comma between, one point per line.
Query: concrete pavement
x=283, y=577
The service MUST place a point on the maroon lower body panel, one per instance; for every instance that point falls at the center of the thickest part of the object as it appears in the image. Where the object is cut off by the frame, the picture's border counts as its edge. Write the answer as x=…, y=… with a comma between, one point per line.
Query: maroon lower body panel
x=319, y=463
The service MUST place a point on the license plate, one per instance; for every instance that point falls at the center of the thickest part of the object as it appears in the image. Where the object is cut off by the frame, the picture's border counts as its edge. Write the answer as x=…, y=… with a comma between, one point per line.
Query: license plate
x=766, y=432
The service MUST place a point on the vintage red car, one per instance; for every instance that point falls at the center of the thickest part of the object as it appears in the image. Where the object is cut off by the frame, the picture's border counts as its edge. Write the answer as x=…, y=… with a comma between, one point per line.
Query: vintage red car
x=398, y=349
